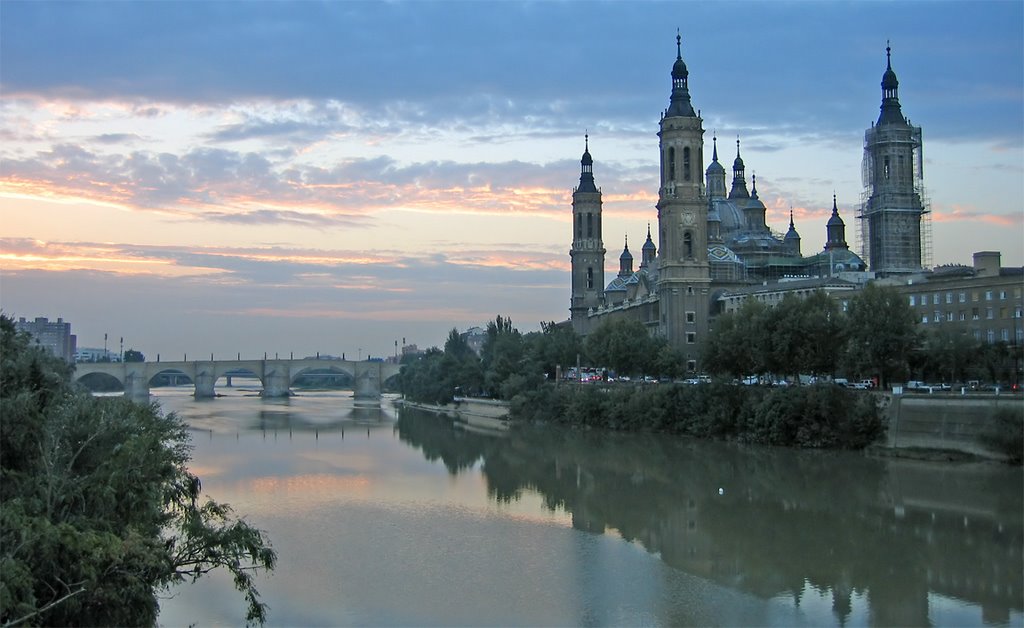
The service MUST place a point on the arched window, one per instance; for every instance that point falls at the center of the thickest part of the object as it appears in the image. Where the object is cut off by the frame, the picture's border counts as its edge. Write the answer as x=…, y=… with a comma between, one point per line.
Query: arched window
x=671, y=163
x=686, y=163
x=590, y=278
x=579, y=226
x=885, y=168
x=688, y=244
x=590, y=225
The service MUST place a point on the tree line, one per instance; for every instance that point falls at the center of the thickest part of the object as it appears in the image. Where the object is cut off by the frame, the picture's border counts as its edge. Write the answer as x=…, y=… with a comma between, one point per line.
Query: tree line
x=877, y=337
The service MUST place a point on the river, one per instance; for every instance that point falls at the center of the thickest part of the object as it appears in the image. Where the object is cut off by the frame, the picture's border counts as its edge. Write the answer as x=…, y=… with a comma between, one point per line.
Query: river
x=382, y=517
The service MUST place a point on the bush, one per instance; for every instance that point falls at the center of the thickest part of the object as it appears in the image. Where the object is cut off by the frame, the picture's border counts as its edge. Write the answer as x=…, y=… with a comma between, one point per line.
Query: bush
x=820, y=416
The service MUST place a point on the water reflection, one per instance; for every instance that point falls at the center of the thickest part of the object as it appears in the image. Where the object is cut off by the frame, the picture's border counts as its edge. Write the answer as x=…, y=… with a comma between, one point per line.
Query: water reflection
x=905, y=536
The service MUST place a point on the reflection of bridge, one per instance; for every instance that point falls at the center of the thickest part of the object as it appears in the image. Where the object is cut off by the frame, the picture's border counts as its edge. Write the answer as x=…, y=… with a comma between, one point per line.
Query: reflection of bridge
x=275, y=375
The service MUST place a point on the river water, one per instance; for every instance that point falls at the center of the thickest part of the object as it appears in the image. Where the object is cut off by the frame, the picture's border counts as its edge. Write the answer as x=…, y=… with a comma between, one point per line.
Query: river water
x=382, y=517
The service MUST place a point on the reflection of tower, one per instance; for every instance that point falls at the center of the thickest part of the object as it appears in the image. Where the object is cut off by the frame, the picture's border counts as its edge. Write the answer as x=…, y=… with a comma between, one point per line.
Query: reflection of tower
x=587, y=253
x=893, y=220
x=684, y=273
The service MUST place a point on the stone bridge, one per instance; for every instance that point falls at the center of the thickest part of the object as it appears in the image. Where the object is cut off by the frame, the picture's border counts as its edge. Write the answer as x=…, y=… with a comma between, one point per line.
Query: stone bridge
x=276, y=375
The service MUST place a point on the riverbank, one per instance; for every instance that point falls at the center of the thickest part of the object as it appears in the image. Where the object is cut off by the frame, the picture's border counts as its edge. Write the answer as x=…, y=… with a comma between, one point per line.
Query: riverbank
x=485, y=414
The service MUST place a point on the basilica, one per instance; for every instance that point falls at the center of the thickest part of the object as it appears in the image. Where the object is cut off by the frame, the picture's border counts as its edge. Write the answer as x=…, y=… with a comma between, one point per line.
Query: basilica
x=712, y=238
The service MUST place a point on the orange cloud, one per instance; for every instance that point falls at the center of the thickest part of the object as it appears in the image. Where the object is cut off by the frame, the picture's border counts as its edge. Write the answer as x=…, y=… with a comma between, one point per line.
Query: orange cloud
x=961, y=213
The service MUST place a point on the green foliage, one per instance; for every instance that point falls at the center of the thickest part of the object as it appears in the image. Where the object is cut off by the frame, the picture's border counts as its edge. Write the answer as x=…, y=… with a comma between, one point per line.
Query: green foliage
x=738, y=344
x=131, y=355
x=882, y=332
x=510, y=364
x=99, y=511
x=624, y=346
x=821, y=416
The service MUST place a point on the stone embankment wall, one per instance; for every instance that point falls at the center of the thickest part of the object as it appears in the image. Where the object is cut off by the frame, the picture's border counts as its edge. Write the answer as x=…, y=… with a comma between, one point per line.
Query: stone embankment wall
x=946, y=422
x=482, y=413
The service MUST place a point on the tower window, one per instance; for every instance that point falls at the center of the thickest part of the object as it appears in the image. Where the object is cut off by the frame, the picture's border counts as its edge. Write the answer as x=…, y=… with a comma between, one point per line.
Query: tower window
x=590, y=225
x=590, y=278
x=671, y=164
x=686, y=163
x=688, y=244
x=885, y=168
x=579, y=226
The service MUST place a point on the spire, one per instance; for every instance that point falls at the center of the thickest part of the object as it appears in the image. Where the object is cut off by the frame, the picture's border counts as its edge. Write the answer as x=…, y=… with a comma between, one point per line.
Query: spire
x=753, y=185
x=792, y=239
x=649, y=251
x=586, y=168
x=835, y=229
x=714, y=142
x=626, y=261
x=739, y=183
x=890, y=109
x=679, y=103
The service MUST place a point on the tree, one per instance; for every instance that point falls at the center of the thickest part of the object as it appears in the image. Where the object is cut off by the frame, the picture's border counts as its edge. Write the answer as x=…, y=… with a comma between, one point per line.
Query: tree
x=738, y=344
x=131, y=355
x=882, y=333
x=624, y=346
x=98, y=511
x=554, y=346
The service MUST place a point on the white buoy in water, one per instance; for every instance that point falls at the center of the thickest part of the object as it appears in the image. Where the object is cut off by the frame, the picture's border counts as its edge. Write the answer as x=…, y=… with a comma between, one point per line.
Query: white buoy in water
x=721, y=491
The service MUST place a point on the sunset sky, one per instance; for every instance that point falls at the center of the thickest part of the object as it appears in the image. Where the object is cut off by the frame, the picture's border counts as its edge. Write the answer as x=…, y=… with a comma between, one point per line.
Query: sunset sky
x=224, y=177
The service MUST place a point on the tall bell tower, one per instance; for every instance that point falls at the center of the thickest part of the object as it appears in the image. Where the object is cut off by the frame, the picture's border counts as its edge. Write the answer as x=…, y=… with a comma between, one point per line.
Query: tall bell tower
x=684, y=273
x=894, y=221
x=587, y=252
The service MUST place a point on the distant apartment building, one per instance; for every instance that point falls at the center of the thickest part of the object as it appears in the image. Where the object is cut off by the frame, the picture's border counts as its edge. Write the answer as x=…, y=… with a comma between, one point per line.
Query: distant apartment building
x=985, y=300
x=55, y=337
x=772, y=293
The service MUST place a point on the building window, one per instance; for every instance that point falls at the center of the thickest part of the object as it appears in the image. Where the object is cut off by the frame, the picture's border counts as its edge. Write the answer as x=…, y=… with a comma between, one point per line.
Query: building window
x=991, y=336
x=988, y=313
x=974, y=313
x=590, y=225
x=935, y=299
x=1005, y=335
x=988, y=295
x=949, y=317
x=1017, y=313
x=963, y=315
x=590, y=279
x=691, y=337
x=924, y=319
x=974, y=296
x=689, y=290
x=1020, y=336
x=1002, y=294
x=691, y=365
x=691, y=317
x=688, y=244
x=963, y=297
x=579, y=226
x=977, y=335
x=949, y=298
x=686, y=163
x=912, y=304
x=671, y=163
x=936, y=316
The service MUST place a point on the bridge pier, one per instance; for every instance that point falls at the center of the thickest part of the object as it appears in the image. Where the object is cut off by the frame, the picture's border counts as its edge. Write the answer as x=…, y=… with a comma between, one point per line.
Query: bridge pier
x=277, y=381
x=136, y=384
x=367, y=382
x=204, y=381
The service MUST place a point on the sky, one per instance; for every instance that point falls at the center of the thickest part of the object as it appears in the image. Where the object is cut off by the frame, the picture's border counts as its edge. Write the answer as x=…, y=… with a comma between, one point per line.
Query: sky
x=338, y=177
